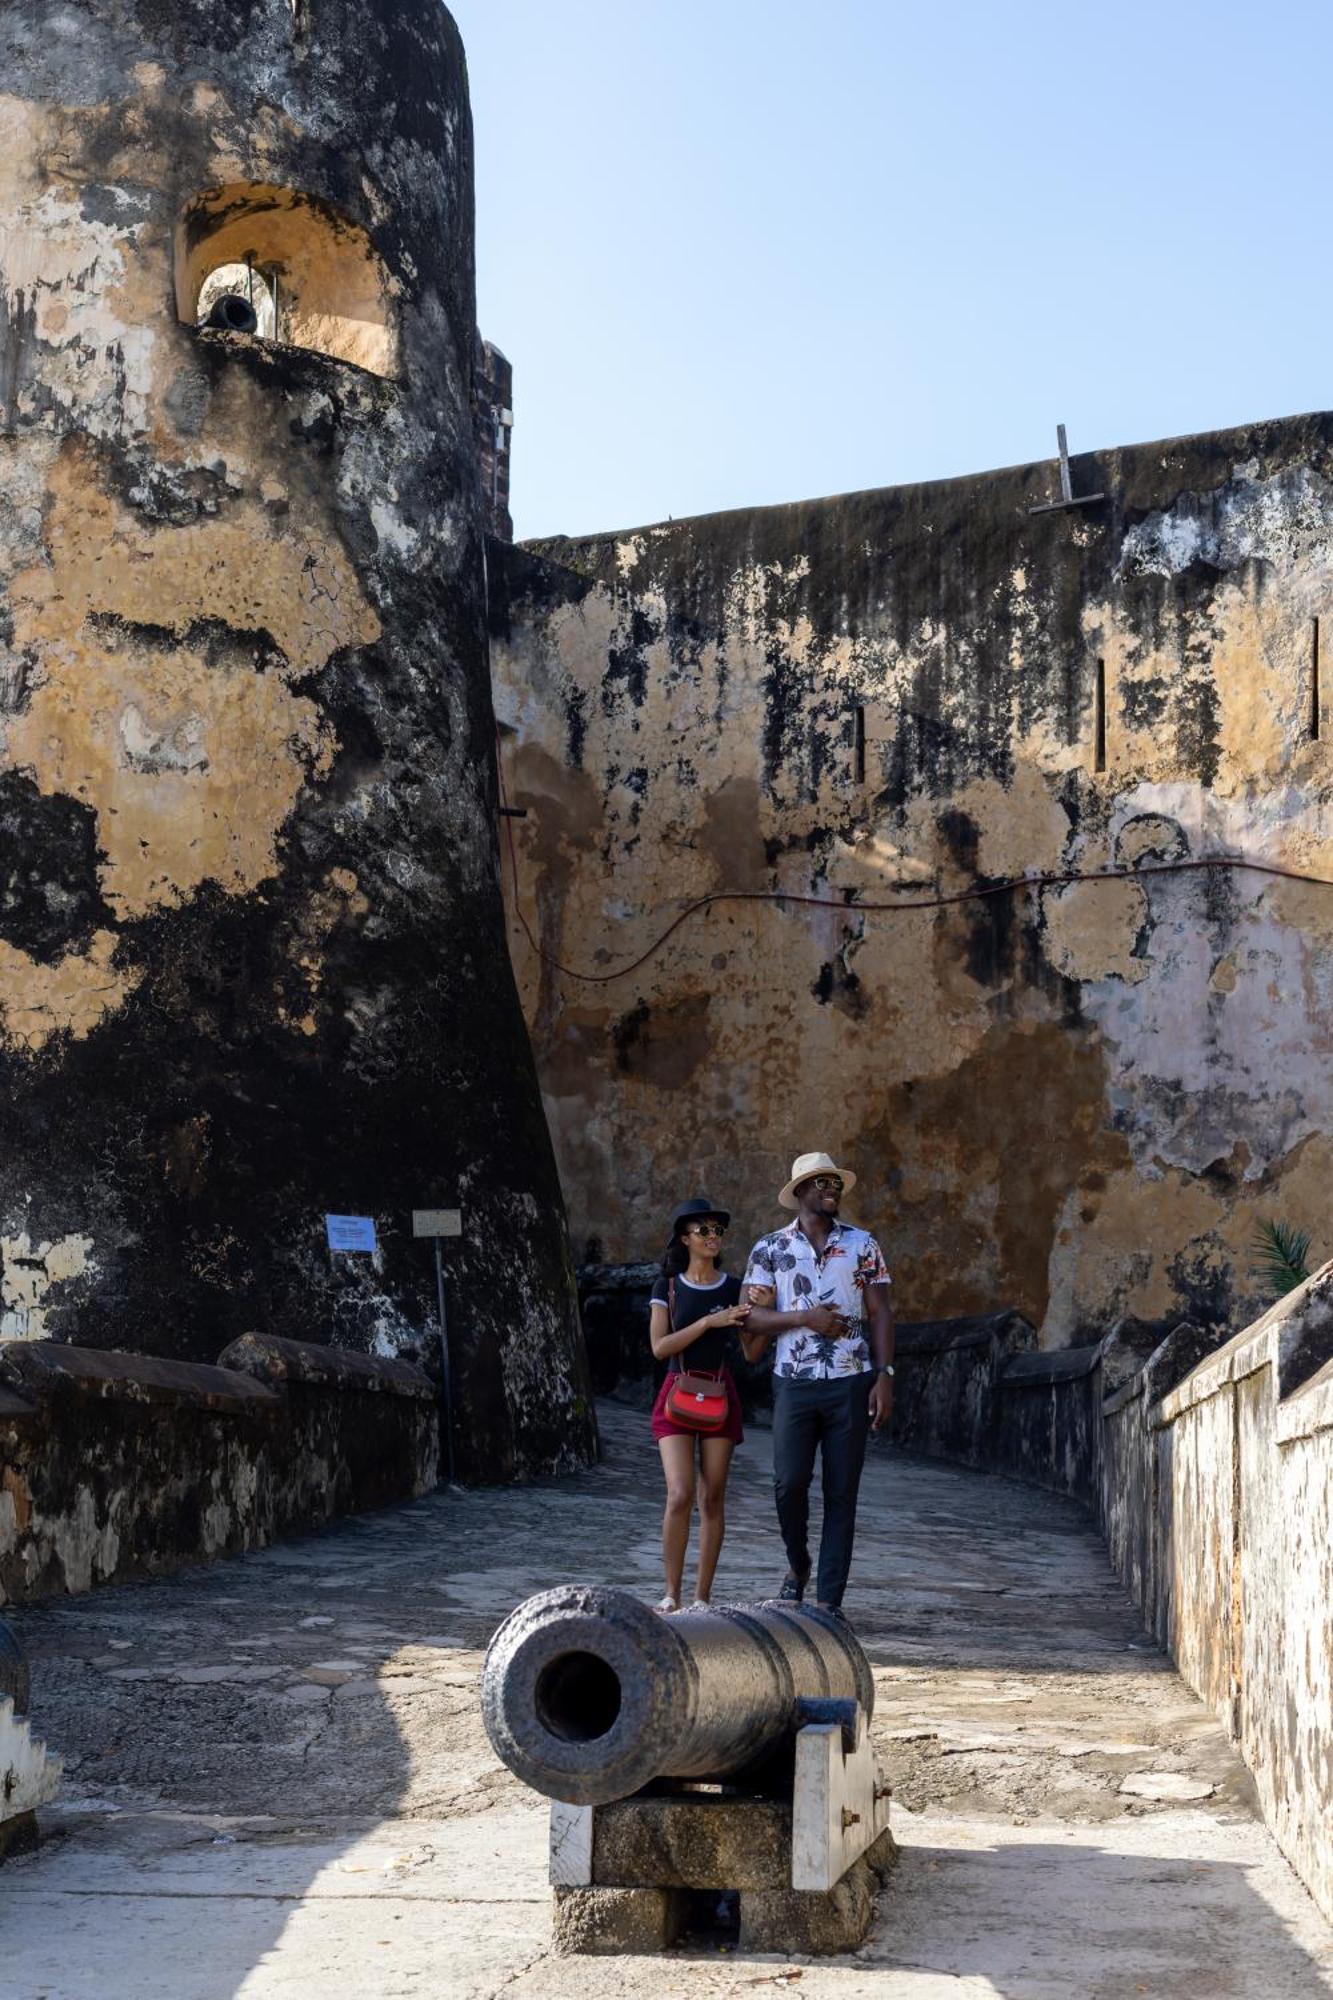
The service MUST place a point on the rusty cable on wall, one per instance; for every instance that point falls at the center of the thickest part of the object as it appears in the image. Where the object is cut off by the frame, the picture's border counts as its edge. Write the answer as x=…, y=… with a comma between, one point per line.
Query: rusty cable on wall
x=1009, y=886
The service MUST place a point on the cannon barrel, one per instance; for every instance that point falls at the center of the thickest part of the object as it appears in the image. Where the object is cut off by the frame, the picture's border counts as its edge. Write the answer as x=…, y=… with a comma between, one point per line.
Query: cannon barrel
x=587, y=1695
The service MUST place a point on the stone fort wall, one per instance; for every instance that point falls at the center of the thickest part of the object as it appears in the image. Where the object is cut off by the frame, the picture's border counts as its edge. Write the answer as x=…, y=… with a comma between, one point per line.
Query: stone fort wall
x=1075, y=1100
x=252, y=955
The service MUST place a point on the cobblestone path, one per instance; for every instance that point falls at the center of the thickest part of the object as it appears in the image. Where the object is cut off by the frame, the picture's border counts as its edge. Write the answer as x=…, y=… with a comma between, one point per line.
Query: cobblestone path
x=278, y=1784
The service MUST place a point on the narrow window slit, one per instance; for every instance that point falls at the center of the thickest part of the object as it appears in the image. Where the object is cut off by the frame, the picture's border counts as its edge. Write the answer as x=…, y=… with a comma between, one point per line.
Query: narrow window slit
x=1316, y=696
x=859, y=744
x=1099, y=719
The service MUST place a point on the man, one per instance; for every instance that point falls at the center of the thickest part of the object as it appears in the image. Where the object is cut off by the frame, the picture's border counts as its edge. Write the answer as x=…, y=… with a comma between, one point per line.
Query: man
x=819, y=1290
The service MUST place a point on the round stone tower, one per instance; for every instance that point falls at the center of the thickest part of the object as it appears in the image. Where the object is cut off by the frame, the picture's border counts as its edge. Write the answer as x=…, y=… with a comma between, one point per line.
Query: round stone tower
x=252, y=960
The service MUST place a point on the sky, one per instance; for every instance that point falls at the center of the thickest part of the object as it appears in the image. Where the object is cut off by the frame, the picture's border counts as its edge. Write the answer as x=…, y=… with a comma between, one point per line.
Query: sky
x=748, y=251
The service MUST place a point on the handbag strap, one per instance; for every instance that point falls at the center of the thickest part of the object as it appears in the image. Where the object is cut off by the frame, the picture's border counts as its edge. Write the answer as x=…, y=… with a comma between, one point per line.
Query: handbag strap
x=677, y=1366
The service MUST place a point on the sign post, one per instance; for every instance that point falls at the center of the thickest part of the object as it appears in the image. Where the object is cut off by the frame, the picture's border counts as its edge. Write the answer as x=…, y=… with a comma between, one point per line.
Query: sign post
x=438, y=1223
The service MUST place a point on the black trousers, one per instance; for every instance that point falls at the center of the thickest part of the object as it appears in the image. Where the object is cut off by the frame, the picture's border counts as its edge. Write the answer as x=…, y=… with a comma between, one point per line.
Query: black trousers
x=832, y=1418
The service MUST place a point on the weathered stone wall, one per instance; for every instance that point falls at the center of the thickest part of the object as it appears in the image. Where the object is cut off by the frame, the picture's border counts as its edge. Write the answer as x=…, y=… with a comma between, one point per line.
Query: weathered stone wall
x=1211, y=1473
x=950, y=1381
x=493, y=416
x=116, y=1465
x=1075, y=1100
x=1240, y=1501
x=252, y=955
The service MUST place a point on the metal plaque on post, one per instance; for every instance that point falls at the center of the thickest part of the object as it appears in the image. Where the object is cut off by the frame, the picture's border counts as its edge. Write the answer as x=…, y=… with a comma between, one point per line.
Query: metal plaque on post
x=439, y=1223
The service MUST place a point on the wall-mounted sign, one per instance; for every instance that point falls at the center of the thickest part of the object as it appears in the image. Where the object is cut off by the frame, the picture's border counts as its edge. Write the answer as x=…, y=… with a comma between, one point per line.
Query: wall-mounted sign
x=350, y=1232
x=437, y=1222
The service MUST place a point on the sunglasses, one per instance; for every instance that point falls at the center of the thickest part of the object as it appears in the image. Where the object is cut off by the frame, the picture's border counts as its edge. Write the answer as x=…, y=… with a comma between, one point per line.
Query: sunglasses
x=706, y=1229
x=826, y=1183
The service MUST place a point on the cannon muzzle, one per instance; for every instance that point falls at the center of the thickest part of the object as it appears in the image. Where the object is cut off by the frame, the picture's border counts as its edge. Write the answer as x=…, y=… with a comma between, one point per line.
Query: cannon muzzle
x=587, y=1695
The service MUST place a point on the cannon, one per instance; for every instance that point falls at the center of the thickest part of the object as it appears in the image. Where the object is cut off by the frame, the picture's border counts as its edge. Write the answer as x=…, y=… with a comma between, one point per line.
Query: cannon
x=721, y=1750
x=588, y=1696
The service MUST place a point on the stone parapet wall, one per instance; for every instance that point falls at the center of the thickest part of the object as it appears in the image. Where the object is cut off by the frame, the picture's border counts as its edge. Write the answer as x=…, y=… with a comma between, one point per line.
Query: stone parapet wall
x=1210, y=1470
x=117, y=1465
x=1239, y=1472
x=948, y=1384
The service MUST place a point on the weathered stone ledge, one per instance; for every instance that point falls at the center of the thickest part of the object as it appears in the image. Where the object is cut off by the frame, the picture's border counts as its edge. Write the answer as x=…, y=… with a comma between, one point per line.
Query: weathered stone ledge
x=1039, y=1370
x=267, y=1358
x=46, y=1368
x=117, y=1465
x=1307, y=1409
x=934, y=1336
x=1291, y=1339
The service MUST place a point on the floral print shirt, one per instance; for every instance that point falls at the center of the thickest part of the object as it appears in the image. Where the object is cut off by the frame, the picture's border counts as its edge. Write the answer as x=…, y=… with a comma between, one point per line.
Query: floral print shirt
x=787, y=1264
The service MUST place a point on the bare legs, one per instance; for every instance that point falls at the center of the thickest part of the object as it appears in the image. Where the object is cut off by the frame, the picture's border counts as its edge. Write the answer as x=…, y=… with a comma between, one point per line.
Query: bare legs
x=679, y=1466
x=715, y=1463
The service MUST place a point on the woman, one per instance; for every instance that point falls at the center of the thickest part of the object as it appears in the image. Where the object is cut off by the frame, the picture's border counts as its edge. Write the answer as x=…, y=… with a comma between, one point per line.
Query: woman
x=694, y=1304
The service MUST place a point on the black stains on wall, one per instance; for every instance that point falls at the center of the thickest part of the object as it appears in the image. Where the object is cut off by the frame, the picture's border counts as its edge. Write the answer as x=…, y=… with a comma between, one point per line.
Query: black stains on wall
x=18, y=339
x=838, y=985
x=50, y=894
x=627, y=663
x=334, y=1028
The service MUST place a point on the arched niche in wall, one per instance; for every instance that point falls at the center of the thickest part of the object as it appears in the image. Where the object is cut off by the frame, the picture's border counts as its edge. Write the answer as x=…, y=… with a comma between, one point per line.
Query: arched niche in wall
x=312, y=275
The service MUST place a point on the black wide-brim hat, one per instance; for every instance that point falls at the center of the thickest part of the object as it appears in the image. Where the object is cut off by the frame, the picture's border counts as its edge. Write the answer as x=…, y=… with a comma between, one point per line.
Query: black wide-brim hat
x=690, y=1211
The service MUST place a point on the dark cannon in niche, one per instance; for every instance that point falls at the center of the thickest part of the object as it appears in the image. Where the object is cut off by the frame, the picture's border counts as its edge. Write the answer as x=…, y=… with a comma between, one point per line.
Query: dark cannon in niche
x=719, y=1751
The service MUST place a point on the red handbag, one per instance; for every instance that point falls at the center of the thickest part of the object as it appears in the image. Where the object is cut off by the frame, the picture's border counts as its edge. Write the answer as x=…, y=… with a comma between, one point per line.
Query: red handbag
x=695, y=1402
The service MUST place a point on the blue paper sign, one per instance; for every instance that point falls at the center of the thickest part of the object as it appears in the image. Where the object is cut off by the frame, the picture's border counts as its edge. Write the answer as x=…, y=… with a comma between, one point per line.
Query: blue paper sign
x=350, y=1232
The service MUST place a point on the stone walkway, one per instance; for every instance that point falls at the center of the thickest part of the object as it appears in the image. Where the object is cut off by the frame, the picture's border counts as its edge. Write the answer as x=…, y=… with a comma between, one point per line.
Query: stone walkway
x=278, y=1785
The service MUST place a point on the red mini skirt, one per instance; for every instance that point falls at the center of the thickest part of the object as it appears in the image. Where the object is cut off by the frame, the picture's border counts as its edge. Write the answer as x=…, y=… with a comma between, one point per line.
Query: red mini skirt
x=664, y=1428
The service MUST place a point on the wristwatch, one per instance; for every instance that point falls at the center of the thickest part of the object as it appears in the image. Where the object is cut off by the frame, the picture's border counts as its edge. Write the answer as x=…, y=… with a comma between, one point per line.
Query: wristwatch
x=884, y=1368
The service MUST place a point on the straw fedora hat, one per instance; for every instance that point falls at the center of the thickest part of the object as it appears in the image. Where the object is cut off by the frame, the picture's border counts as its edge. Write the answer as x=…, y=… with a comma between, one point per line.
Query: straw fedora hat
x=804, y=1168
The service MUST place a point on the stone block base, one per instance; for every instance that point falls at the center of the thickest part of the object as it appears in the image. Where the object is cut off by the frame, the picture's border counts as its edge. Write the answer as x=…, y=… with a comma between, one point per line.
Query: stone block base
x=882, y=1856
x=823, y=1921
x=608, y=1920
x=811, y=1920
x=18, y=1835
x=692, y=1843
x=616, y=1920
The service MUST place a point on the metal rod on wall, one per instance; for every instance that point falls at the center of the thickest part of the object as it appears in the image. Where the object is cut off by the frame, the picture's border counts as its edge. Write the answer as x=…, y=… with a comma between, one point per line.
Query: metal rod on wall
x=439, y=1223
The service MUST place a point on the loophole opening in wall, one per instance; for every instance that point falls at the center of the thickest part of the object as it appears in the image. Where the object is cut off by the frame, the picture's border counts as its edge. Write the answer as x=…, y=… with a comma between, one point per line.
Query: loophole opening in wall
x=309, y=274
x=577, y=1697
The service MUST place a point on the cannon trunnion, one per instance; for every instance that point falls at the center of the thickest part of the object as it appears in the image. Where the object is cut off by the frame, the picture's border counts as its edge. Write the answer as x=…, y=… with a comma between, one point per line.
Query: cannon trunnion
x=718, y=1750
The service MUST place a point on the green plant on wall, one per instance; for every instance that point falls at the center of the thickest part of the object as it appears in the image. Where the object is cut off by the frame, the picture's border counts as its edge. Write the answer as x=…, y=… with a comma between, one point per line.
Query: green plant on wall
x=1281, y=1256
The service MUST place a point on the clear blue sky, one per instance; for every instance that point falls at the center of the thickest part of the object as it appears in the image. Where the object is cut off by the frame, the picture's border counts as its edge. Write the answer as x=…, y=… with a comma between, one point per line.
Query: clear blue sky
x=743, y=251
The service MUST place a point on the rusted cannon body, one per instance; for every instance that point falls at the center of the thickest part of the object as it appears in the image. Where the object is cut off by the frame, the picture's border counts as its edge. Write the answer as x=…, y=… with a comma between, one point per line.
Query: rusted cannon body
x=588, y=1696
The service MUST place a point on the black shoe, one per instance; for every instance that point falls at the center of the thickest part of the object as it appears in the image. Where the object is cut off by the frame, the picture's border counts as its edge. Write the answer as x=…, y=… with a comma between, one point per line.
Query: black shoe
x=793, y=1588
x=836, y=1612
